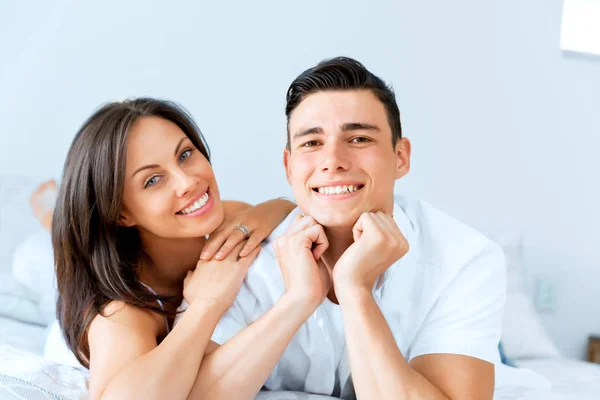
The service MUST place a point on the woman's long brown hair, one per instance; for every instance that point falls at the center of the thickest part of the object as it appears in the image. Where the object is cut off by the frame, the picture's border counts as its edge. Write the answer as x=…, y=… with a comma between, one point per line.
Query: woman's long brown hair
x=96, y=258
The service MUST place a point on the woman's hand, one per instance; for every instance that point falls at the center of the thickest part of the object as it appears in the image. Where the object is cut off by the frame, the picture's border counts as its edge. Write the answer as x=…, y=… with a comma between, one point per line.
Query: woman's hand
x=260, y=220
x=218, y=281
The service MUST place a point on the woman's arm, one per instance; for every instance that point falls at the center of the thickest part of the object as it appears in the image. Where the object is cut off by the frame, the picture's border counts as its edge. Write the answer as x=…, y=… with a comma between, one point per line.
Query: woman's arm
x=127, y=363
x=239, y=368
x=232, y=207
x=260, y=220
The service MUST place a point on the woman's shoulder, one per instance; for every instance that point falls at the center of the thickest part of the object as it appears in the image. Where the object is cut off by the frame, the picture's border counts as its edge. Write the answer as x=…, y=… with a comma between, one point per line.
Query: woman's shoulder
x=118, y=316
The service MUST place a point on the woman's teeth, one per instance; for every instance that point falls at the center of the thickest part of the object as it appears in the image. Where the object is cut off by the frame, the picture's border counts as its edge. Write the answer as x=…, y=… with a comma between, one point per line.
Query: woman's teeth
x=329, y=190
x=197, y=205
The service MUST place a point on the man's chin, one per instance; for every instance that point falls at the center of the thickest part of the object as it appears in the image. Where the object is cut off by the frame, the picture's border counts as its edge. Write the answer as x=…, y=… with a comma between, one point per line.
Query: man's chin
x=335, y=220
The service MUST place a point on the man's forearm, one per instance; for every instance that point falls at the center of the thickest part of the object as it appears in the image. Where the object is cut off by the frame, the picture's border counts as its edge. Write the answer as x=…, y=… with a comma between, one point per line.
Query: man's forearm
x=240, y=367
x=378, y=368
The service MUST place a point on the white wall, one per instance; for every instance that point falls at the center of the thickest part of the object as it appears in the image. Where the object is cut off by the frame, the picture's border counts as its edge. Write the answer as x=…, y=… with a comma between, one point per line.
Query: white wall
x=505, y=127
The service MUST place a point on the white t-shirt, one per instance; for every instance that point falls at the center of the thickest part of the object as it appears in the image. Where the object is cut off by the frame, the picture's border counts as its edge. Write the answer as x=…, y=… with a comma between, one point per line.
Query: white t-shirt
x=446, y=295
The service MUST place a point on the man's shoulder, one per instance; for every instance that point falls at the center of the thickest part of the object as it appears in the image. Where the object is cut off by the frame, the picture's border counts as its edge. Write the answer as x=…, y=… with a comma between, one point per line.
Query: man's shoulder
x=441, y=238
x=282, y=227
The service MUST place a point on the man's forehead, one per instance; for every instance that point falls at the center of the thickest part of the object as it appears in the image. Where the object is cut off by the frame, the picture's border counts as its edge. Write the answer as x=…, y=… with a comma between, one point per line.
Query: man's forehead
x=327, y=110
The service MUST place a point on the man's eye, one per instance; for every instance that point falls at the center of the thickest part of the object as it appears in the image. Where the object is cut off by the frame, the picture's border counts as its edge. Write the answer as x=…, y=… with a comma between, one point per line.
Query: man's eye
x=185, y=155
x=310, y=143
x=151, y=182
x=360, y=139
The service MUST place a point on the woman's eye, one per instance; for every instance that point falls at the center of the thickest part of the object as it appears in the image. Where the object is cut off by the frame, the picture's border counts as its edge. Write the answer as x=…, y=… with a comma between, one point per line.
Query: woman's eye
x=185, y=155
x=151, y=182
x=310, y=143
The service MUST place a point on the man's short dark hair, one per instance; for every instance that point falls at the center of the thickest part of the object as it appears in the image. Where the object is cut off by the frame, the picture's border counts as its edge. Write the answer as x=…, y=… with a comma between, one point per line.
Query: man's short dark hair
x=343, y=73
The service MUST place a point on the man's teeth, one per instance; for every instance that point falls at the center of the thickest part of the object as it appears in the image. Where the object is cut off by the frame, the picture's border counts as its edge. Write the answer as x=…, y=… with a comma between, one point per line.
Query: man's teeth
x=338, y=189
x=197, y=205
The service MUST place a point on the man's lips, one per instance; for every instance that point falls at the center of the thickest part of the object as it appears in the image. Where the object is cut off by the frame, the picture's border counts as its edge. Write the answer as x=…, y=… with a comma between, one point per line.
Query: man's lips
x=340, y=187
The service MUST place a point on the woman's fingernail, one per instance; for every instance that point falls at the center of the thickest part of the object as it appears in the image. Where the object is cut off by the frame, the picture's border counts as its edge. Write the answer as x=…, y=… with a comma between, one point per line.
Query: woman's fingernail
x=219, y=256
x=204, y=256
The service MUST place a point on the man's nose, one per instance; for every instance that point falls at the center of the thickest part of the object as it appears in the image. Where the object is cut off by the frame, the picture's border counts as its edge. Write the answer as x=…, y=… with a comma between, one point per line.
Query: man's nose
x=335, y=158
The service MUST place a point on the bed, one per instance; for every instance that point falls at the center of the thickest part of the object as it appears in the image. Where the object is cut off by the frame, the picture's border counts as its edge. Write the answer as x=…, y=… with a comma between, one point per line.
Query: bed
x=25, y=313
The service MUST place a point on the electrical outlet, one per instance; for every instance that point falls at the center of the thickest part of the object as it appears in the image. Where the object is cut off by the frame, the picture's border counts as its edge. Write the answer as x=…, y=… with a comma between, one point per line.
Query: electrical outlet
x=545, y=294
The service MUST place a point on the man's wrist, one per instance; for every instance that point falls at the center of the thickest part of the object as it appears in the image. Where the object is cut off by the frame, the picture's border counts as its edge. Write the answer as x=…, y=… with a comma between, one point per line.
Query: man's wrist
x=352, y=293
x=302, y=302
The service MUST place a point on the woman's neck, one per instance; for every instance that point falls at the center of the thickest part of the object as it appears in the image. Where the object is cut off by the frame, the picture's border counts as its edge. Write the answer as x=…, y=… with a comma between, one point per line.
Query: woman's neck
x=169, y=260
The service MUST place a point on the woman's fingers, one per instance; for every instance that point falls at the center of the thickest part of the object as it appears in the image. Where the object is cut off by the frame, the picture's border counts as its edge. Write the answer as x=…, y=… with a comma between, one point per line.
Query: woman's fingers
x=234, y=253
x=215, y=241
x=247, y=261
x=252, y=243
x=235, y=238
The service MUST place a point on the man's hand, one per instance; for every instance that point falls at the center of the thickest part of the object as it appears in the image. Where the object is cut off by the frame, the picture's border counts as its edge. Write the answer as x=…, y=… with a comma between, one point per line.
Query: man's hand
x=298, y=253
x=378, y=243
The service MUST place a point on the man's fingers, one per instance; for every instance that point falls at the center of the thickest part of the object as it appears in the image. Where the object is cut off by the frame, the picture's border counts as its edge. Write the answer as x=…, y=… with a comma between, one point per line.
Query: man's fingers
x=359, y=226
x=380, y=219
x=318, y=240
x=301, y=223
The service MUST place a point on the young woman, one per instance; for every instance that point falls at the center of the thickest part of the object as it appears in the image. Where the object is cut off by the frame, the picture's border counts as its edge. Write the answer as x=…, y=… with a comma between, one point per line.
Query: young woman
x=136, y=203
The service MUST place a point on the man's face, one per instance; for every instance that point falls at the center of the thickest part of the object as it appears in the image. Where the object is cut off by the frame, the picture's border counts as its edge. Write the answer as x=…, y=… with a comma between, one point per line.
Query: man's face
x=341, y=162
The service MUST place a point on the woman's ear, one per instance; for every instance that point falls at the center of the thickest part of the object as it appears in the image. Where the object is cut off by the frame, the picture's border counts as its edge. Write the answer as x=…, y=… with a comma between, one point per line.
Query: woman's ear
x=125, y=220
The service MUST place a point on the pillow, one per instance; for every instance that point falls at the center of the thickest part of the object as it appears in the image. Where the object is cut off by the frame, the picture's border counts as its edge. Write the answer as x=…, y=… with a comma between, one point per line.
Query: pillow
x=33, y=264
x=16, y=218
x=523, y=334
x=15, y=302
x=512, y=245
x=503, y=359
x=56, y=349
x=33, y=268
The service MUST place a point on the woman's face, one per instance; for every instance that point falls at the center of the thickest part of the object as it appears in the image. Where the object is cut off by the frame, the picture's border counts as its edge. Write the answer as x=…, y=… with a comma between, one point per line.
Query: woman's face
x=170, y=188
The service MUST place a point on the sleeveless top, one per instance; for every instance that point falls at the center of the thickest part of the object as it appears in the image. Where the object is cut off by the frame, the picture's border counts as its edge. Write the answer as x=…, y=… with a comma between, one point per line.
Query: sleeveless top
x=162, y=307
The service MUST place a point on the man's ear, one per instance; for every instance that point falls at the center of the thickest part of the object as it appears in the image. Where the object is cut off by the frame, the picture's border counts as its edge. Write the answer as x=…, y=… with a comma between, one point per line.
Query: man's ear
x=286, y=163
x=402, y=151
x=126, y=220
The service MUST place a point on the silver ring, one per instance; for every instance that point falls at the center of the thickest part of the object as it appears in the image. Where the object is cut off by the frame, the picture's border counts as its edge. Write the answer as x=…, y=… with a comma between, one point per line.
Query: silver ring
x=244, y=230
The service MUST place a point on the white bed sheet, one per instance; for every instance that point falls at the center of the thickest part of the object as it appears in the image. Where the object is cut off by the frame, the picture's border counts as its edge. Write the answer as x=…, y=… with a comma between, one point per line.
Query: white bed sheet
x=21, y=357
x=570, y=379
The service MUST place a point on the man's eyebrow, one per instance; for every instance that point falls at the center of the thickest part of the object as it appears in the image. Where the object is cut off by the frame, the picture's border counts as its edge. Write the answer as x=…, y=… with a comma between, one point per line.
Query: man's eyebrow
x=309, y=131
x=359, y=126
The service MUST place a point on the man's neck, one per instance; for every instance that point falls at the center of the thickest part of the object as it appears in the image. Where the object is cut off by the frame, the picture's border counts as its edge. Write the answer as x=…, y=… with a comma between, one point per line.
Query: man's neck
x=170, y=260
x=339, y=241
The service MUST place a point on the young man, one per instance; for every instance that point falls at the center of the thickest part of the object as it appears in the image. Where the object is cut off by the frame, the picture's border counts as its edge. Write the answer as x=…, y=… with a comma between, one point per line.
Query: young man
x=359, y=293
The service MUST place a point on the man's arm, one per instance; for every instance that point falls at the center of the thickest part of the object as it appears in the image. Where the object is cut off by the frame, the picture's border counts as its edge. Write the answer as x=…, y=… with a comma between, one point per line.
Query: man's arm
x=239, y=368
x=380, y=371
x=454, y=350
